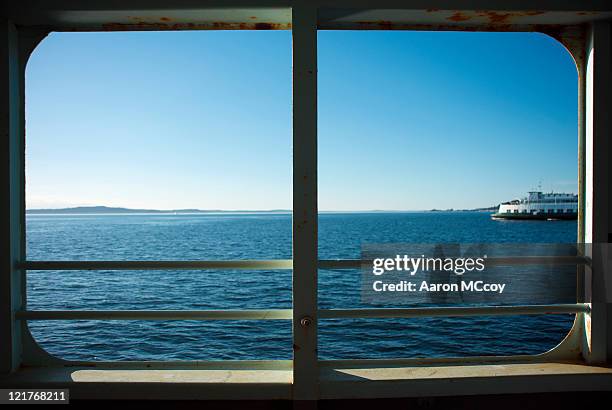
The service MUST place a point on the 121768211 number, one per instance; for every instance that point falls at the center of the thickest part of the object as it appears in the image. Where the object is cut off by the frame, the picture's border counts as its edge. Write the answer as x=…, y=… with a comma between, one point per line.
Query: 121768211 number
x=34, y=395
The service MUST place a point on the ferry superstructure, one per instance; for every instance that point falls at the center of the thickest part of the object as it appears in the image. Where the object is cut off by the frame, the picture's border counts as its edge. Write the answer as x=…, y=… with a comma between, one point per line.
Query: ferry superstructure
x=539, y=205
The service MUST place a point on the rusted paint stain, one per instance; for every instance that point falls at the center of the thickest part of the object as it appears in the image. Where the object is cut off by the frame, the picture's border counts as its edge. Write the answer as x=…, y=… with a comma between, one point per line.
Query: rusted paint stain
x=264, y=26
x=496, y=17
x=385, y=24
x=369, y=25
x=492, y=17
x=458, y=16
x=163, y=25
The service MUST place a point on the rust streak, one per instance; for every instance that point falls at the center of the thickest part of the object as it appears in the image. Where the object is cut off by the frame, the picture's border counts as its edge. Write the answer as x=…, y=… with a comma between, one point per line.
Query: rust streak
x=499, y=18
x=159, y=26
x=385, y=25
x=458, y=16
x=495, y=17
x=263, y=26
x=472, y=26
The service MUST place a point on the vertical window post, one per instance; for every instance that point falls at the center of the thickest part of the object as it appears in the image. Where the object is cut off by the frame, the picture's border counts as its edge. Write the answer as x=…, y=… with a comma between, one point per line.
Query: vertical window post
x=598, y=223
x=305, y=370
x=16, y=45
x=11, y=205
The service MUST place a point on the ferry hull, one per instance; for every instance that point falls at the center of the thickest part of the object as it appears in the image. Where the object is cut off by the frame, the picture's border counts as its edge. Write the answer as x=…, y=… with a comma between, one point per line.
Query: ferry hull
x=535, y=217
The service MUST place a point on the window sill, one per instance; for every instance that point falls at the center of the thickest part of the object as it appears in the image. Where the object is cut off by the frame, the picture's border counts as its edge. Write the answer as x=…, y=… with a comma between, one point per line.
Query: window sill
x=336, y=382
x=349, y=382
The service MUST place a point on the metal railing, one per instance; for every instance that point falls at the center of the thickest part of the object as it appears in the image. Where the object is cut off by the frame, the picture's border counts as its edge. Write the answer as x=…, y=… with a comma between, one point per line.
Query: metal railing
x=274, y=264
x=286, y=314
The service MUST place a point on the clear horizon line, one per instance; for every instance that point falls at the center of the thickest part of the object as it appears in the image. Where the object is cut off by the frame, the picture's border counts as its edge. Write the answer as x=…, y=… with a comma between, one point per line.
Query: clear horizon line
x=186, y=210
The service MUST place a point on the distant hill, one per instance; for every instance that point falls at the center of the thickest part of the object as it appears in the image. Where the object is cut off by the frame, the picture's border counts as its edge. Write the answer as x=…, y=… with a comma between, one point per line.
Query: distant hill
x=487, y=209
x=115, y=210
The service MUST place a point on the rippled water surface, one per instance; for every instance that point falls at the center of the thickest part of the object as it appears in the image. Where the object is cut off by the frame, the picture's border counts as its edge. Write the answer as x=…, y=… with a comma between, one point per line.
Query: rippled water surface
x=259, y=236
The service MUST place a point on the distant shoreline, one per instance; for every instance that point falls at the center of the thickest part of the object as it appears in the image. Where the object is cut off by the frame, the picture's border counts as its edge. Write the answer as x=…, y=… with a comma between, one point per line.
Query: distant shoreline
x=105, y=210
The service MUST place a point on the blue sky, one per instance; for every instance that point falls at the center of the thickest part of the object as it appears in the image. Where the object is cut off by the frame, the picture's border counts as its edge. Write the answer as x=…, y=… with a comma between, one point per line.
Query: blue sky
x=407, y=120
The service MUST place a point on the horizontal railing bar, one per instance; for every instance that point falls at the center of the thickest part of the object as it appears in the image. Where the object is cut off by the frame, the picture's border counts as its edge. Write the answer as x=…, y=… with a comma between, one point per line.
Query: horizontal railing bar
x=286, y=314
x=275, y=264
x=452, y=311
x=273, y=314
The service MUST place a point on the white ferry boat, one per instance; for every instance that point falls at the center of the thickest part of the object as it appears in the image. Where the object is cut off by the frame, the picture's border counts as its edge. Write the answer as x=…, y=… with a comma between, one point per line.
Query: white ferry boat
x=539, y=205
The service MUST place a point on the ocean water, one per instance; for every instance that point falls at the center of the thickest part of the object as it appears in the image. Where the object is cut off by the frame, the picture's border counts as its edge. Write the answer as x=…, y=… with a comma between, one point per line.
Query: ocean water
x=260, y=236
